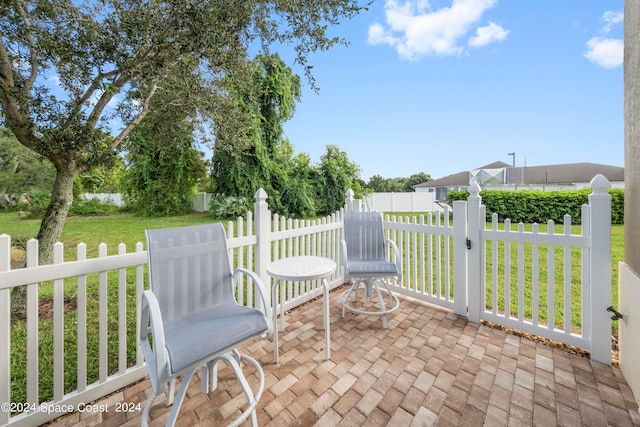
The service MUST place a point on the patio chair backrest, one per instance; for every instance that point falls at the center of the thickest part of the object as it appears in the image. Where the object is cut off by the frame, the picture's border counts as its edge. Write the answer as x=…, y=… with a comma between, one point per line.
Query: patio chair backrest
x=364, y=236
x=189, y=269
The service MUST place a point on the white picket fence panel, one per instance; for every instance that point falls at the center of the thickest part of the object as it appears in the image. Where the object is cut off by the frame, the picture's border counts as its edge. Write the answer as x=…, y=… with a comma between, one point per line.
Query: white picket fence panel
x=444, y=263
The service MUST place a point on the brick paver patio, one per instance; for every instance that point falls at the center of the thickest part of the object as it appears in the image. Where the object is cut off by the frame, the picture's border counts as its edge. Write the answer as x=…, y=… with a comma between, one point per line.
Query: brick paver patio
x=430, y=367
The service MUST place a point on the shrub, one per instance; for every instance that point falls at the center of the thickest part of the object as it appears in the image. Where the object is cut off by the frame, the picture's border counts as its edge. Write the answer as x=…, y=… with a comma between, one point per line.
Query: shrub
x=36, y=207
x=529, y=206
x=228, y=207
x=89, y=207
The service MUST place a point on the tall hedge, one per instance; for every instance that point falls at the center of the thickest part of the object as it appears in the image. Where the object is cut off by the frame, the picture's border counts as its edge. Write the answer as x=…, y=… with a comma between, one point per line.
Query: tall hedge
x=531, y=206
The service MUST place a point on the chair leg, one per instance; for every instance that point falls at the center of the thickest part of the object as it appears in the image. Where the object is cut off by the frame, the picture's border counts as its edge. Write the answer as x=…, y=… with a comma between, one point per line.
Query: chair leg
x=345, y=296
x=144, y=422
x=234, y=360
x=173, y=415
x=209, y=377
x=170, y=391
x=383, y=308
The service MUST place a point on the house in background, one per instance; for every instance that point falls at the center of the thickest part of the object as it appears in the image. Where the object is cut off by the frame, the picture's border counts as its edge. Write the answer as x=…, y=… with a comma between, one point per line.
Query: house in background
x=502, y=176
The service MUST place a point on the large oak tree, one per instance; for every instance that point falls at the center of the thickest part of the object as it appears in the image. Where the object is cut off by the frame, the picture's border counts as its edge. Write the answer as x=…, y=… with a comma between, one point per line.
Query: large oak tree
x=70, y=70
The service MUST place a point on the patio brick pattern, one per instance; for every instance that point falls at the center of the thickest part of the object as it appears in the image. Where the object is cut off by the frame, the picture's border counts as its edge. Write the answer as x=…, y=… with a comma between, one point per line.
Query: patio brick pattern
x=430, y=367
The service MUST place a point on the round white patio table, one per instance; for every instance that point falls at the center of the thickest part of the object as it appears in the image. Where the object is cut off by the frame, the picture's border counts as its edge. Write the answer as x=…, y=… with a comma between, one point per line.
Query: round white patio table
x=300, y=269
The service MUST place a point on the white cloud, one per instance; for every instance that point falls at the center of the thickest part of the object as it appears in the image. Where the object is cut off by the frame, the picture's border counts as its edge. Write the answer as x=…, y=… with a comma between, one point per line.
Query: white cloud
x=414, y=29
x=607, y=53
x=489, y=34
x=611, y=18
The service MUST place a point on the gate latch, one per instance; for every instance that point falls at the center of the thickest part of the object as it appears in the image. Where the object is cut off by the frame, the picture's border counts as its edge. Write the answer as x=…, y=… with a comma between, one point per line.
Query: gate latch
x=616, y=314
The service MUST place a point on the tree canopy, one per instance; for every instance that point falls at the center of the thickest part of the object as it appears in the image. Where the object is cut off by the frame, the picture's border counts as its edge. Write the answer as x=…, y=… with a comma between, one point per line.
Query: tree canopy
x=22, y=170
x=108, y=60
x=385, y=185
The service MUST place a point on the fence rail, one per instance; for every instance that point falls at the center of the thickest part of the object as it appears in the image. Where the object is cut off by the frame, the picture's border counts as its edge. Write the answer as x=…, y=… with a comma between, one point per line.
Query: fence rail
x=451, y=259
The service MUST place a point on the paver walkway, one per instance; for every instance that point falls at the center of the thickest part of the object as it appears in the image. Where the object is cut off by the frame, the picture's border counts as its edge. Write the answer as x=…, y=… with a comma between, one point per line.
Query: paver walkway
x=430, y=367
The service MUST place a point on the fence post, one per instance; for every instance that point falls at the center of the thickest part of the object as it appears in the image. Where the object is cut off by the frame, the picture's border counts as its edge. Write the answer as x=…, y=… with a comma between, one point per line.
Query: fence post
x=474, y=253
x=600, y=253
x=460, y=257
x=351, y=204
x=262, y=229
x=5, y=329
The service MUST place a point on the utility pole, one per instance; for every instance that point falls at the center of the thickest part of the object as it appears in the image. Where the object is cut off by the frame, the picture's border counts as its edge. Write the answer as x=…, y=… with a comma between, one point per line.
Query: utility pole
x=514, y=158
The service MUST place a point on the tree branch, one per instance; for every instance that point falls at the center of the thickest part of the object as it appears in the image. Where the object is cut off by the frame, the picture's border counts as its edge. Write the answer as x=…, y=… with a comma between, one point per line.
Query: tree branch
x=136, y=121
x=17, y=117
x=33, y=59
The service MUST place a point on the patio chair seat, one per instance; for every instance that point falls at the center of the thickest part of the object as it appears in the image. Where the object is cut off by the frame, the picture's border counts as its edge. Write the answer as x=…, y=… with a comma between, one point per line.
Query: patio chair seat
x=210, y=331
x=372, y=269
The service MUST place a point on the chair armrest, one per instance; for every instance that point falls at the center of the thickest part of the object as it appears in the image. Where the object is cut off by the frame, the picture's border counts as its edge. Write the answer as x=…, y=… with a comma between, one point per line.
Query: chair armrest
x=396, y=259
x=261, y=290
x=155, y=357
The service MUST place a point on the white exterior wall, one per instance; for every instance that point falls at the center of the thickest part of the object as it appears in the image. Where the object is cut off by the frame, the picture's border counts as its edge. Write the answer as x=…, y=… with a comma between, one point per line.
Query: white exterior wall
x=629, y=326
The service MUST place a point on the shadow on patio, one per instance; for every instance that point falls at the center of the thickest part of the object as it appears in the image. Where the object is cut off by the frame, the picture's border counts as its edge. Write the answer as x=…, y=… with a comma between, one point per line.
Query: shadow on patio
x=430, y=367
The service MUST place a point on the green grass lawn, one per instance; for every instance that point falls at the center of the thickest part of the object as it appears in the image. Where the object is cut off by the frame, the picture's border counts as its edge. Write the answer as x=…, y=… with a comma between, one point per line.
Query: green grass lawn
x=111, y=229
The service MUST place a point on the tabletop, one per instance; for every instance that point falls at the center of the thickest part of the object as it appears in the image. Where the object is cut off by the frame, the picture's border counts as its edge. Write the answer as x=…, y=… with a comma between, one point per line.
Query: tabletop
x=301, y=268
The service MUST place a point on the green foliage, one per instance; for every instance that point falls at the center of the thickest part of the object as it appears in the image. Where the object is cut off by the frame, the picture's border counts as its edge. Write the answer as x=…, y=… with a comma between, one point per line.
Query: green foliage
x=336, y=174
x=164, y=169
x=617, y=205
x=415, y=179
x=228, y=207
x=454, y=195
x=39, y=200
x=529, y=206
x=22, y=170
x=90, y=207
x=103, y=179
x=36, y=206
x=397, y=185
x=161, y=181
x=255, y=155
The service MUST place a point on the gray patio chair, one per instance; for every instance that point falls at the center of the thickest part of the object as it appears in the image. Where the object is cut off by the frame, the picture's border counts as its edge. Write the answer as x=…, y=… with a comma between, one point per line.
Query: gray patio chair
x=190, y=318
x=365, y=261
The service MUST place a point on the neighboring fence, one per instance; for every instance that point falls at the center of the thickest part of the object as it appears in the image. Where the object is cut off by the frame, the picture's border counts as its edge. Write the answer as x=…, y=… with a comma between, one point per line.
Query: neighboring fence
x=111, y=198
x=450, y=259
x=403, y=202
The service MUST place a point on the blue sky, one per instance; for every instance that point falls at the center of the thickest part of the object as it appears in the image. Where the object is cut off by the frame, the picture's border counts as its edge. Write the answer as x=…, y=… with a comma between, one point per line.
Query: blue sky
x=445, y=86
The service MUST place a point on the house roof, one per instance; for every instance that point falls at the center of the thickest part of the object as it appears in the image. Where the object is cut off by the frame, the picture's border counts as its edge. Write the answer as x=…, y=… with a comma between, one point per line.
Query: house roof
x=569, y=173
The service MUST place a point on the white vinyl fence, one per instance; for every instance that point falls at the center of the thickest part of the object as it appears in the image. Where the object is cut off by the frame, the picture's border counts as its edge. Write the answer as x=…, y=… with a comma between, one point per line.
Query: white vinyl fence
x=451, y=259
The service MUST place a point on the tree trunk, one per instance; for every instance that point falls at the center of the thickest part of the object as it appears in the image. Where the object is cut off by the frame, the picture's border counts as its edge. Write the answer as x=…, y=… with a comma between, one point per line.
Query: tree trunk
x=57, y=211
x=632, y=134
x=51, y=226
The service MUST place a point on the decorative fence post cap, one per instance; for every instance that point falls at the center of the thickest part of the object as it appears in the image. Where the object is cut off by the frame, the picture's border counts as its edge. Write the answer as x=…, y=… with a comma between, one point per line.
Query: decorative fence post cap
x=599, y=184
x=474, y=189
x=350, y=194
x=260, y=195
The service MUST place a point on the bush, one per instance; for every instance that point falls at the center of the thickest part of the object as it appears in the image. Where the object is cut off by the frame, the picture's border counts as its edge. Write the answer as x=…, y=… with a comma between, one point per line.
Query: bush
x=228, y=207
x=39, y=201
x=529, y=206
x=36, y=207
x=89, y=207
